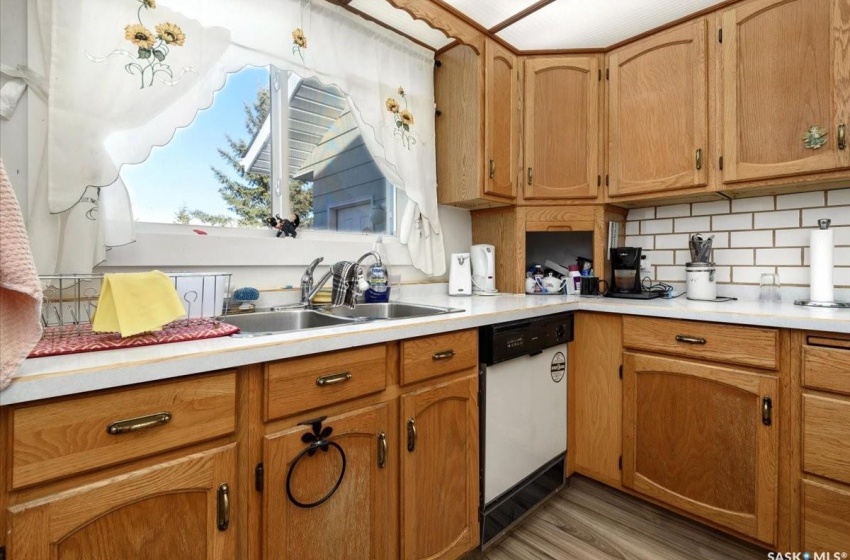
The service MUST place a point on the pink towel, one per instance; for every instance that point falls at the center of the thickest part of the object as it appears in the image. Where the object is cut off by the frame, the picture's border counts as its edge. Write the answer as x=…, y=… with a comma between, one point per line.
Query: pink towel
x=20, y=290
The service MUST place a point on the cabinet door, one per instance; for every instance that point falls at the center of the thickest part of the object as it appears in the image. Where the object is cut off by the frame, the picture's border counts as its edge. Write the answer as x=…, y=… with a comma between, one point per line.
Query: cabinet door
x=501, y=139
x=353, y=522
x=658, y=113
x=785, y=69
x=561, y=129
x=698, y=438
x=176, y=509
x=439, y=475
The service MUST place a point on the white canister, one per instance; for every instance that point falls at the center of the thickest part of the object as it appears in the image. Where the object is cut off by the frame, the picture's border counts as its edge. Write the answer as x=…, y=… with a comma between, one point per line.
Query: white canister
x=702, y=283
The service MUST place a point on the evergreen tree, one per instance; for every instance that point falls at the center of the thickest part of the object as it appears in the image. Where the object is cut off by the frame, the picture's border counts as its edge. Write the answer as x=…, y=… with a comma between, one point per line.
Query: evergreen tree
x=182, y=216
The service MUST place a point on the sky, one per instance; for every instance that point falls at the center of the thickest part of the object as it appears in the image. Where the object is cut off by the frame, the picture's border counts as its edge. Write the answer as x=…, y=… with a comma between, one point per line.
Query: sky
x=179, y=172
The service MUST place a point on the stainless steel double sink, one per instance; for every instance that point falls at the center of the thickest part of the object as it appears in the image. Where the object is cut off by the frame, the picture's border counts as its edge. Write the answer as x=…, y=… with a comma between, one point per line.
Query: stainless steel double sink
x=260, y=323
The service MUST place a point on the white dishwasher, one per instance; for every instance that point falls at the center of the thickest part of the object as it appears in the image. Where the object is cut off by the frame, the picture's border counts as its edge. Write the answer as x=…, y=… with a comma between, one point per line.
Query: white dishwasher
x=523, y=405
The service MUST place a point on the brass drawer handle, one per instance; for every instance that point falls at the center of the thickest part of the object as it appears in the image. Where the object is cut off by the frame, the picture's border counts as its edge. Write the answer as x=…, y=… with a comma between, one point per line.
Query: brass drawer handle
x=767, y=411
x=530, y=176
x=140, y=423
x=699, y=159
x=411, y=435
x=444, y=355
x=689, y=339
x=333, y=379
x=492, y=168
x=382, y=450
x=842, y=137
x=223, y=507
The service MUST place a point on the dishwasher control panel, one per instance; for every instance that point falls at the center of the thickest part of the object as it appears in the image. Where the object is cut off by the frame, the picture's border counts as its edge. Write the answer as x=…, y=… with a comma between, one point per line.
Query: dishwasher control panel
x=505, y=341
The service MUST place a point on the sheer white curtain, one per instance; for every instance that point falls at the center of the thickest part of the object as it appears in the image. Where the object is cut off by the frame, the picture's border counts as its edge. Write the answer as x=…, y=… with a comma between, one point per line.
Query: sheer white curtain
x=111, y=99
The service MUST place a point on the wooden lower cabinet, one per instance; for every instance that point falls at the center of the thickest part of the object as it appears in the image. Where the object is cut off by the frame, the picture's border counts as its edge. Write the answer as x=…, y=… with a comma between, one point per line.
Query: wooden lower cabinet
x=826, y=517
x=176, y=509
x=702, y=438
x=439, y=470
x=354, y=522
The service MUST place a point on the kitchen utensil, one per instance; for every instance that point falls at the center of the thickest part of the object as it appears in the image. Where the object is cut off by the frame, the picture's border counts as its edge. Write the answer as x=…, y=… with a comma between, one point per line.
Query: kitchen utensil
x=701, y=280
x=483, y=269
x=701, y=248
x=553, y=284
x=460, y=275
x=822, y=289
x=590, y=286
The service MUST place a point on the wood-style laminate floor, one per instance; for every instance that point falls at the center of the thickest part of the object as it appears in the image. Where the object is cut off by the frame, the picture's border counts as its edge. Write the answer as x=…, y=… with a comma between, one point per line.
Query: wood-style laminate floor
x=588, y=520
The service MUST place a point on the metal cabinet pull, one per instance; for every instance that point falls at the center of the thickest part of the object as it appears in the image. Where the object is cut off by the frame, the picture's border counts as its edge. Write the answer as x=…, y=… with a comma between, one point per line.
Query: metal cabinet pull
x=842, y=137
x=492, y=168
x=530, y=176
x=382, y=450
x=139, y=423
x=699, y=159
x=333, y=379
x=444, y=355
x=766, y=411
x=689, y=339
x=223, y=507
x=411, y=434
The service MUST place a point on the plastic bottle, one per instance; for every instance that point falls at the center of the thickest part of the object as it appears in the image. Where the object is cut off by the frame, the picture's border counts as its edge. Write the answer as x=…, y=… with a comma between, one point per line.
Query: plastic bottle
x=378, y=276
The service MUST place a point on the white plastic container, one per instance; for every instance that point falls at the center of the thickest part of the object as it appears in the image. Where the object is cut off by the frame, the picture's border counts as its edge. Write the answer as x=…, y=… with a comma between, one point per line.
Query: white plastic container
x=702, y=283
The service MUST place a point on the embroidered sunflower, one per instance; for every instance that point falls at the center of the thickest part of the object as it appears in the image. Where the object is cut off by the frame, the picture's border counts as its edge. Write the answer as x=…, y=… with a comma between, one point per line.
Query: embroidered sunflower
x=406, y=118
x=299, y=39
x=170, y=33
x=139, y=35
x=401, y=91
x=392, y=105
x=151, y=4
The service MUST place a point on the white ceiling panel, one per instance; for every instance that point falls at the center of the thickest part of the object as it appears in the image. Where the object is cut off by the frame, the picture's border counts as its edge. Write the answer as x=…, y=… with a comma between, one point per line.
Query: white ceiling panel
x=402, y=21
x=490, y=12
x=583, y=24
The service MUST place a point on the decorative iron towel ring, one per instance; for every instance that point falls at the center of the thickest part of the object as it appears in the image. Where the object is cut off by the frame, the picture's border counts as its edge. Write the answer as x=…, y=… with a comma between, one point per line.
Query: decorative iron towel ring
x=315, y=441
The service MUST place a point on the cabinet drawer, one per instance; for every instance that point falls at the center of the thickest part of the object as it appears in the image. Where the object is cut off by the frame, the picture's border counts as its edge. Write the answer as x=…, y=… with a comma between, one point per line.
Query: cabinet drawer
x=826, y=439
x=300, y=384
x=732, y=344
x=75, y=435
x=827, y=368
x=431, y=356
x=826, y=517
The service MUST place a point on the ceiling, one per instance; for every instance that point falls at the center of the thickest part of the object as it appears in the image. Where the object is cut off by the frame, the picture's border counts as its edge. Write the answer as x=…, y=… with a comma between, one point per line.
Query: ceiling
x=555, y=25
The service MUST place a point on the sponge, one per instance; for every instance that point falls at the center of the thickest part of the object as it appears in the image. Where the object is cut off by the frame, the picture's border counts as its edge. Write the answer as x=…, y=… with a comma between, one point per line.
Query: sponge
x=246, y=294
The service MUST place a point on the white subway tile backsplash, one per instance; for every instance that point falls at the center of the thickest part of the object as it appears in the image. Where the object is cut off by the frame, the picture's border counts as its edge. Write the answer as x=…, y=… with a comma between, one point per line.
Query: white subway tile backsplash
x=837, y=198
x=701, y=224
x=670, y=273
x=709, y=208
x=656, y=226
x=793, y=276
x=675, y=241
x=792, y=237
x=641, y=214
x=758, y=204
x=800, y=200
x=840, y=216
x=780, y=219
x=791, y=256
x=645, y=241
x=731, y=222
x=750, y=274
x=734, y=256
x=673, y=211
x=752, y=238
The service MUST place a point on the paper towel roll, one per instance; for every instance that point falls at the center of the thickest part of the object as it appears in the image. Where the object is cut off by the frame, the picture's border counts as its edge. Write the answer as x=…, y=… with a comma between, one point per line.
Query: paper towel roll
x=820, y=267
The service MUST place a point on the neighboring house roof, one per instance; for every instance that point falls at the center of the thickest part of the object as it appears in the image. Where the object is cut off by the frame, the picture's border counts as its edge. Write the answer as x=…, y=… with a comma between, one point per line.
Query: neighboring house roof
x=313, y=109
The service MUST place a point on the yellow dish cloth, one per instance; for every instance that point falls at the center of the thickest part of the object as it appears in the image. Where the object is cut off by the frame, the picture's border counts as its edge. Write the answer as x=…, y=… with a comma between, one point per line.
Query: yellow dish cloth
x=136, y=302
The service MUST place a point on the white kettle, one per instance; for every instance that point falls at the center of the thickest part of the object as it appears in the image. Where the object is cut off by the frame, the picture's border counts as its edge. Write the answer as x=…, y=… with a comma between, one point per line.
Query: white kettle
x=483, y=270
x=460, y=275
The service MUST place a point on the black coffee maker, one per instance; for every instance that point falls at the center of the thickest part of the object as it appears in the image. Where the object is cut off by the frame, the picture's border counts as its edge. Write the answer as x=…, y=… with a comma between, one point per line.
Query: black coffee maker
x=625, y=275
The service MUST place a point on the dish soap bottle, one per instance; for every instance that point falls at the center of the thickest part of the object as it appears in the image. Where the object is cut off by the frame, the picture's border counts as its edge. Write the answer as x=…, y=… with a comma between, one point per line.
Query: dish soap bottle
x=378, y=276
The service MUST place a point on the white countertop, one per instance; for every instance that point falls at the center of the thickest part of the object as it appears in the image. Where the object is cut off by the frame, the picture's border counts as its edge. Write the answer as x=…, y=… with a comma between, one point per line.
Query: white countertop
x=54, y=376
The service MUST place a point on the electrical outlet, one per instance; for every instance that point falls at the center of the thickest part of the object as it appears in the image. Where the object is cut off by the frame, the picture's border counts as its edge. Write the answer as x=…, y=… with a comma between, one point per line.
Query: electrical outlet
x=645, y=264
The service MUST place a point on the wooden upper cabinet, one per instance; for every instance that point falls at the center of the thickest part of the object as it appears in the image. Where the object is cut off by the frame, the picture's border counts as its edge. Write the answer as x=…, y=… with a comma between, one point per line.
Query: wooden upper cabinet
x=561, y=131
x=501, y=120
x=785, y=69
x=704, y=439
x=658, y=112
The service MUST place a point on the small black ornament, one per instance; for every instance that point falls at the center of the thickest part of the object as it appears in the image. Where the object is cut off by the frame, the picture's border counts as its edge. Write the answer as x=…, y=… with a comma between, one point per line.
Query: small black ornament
x=284, y=227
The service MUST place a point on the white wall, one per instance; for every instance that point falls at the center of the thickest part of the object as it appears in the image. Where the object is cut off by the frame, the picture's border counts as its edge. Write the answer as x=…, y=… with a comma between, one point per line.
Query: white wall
x=13, y=133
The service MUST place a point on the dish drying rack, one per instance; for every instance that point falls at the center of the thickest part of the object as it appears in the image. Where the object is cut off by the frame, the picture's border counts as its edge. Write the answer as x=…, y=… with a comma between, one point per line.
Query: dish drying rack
x=69, y=301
